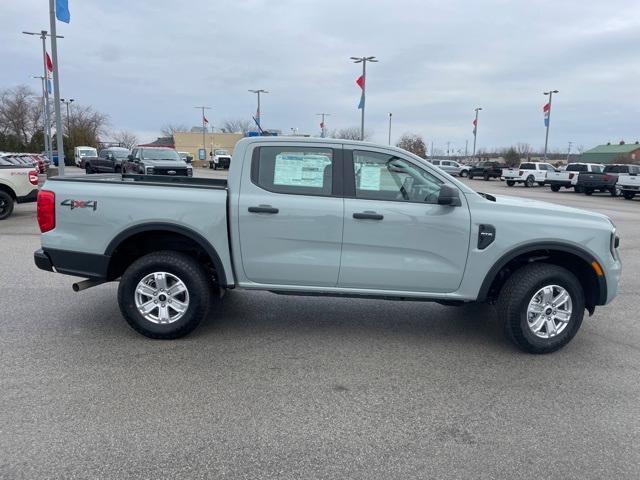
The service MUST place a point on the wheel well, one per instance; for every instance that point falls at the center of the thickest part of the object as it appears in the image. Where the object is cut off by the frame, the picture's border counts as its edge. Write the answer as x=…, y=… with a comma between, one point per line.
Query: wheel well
x=139, y=244
x=576, y=264
x=9, y=190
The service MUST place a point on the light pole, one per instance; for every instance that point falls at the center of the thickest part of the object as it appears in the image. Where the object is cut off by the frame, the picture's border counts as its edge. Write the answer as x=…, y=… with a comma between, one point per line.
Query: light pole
x=569, y=151
x=204, y=142
x=323, y=127
x=68, y=103
x=258, y=92
x=364, y=61
x=43, y=34
x=475, y=131
x=547, y=119
x=390, y=114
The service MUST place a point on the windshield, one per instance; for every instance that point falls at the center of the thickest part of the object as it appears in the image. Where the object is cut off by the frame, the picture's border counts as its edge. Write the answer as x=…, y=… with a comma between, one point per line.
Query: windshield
x=219, y=151
x=124, y=153
x=88, y=152
x=160, y=154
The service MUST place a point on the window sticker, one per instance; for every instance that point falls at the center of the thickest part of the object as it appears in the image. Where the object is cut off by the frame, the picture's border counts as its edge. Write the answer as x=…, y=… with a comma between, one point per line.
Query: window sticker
x=300, y=170
x=369, y=177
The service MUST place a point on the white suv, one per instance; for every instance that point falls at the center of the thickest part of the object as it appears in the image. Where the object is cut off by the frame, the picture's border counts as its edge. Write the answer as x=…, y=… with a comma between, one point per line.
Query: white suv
x=18, y=184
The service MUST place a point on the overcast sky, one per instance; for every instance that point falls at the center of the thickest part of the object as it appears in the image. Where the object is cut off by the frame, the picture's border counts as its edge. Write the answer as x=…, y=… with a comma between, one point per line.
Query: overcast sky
x=147, y=63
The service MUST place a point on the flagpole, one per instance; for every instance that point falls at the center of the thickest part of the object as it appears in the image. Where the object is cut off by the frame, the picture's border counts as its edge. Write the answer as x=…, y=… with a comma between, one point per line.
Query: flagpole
x=475, y=131
x=546, y=138
x=47, y=131
x=56, y=88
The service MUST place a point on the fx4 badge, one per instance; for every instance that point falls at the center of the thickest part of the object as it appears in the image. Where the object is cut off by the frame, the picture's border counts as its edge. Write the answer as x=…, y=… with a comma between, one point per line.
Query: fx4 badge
x=73, y=204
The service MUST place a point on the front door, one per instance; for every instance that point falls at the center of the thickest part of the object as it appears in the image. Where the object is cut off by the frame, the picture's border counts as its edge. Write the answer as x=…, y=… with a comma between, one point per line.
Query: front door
x=291, y=214
x=396, y=236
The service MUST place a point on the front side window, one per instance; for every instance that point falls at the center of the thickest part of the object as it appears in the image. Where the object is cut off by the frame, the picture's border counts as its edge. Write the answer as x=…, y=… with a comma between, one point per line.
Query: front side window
x=294, y=170
x=380, y=176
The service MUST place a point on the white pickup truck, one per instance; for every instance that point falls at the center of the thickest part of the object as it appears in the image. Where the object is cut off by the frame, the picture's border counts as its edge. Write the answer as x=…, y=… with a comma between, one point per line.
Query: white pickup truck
x=569, y=178
x=527, y=173
x=629, y=183
x=18, y=184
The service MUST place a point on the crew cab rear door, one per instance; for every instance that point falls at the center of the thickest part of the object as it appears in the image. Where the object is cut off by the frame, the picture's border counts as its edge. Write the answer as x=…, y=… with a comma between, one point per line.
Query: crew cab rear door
x=396, y=236
x=290, y=214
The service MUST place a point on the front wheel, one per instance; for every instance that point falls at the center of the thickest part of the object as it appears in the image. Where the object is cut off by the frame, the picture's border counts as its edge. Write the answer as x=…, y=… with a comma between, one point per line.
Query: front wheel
x=6, y=205
x=464, y=173
x=164, y=294
x=510, y=183
x=529, y=181
x=542, y=307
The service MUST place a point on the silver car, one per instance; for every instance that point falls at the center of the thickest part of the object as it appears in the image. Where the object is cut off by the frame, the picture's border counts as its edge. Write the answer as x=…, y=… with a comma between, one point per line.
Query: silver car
x=451, y=167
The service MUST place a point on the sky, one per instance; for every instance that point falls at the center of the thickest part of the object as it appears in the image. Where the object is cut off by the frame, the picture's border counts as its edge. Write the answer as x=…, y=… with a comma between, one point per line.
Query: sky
x=147, y=63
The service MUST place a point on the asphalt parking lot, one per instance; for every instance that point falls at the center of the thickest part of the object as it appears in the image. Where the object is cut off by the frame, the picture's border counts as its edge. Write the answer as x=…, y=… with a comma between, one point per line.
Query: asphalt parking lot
x=286, y=387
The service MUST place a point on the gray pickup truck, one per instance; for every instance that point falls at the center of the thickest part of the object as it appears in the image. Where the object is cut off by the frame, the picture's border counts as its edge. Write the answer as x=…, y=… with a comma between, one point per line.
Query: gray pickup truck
x=333, y=218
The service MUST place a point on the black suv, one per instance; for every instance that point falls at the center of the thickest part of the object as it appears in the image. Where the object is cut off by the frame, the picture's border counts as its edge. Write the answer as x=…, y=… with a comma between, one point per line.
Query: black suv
x=486, y=170
x=157, y=161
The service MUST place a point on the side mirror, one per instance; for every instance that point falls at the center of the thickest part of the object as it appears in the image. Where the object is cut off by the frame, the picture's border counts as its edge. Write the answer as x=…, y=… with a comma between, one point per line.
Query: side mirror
x=449, y=196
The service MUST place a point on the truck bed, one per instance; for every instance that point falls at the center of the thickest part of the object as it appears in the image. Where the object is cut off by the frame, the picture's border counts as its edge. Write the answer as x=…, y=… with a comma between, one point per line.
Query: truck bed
x=216, y=183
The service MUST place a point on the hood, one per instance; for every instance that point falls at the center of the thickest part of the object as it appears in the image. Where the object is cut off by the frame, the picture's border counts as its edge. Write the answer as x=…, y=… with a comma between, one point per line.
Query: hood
x=549, y=208
x=166, y=163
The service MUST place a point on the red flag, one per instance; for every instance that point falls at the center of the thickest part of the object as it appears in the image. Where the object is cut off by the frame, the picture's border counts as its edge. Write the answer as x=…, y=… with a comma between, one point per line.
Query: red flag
x=49, y=62
x=205, y=120
x=321, y=124
x=546, y=108
x=360, y=81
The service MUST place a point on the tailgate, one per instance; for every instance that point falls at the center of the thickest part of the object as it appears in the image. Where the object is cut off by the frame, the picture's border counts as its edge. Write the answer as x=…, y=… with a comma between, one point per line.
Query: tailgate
x=510, y=172
x=629, y=182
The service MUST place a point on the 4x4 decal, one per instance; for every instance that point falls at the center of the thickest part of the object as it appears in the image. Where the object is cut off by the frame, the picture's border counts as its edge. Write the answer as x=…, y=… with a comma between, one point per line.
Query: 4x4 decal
x=73, y=204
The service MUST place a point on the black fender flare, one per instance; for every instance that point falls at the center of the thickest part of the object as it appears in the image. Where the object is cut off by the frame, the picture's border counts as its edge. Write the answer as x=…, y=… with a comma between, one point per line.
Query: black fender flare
x=168, y=227
x=532, y=247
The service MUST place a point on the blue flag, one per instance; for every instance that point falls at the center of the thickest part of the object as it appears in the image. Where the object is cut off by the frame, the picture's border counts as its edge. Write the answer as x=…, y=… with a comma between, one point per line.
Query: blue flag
x=49, y=89
x=62, y=11
x=361, y=104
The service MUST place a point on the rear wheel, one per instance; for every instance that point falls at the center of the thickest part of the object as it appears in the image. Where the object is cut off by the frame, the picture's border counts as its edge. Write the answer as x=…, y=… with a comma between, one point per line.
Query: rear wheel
x=555, y=188
x=529, y=181
x=628, y=195
x=164, y=294
x=464, y=173
x=6, y=205
x=542, y=307
x=510, y=183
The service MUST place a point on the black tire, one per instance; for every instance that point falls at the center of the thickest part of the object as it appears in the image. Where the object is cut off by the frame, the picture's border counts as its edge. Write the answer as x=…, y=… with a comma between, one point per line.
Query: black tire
x=555, y=188
x=464, y=173
x=88, y=169
x=184, y=267
x=6, y=205
x=628, y=195
x=486, y=177
x=529, y=181
x=588, y=191
x=510, y=183
x=518, y=291
x=615, y=191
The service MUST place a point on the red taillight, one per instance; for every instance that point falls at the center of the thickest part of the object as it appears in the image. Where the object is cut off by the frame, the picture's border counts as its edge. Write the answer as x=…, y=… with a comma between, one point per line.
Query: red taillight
x=571, y=176
x=33, y=177
x=46, y=210
x=520, y=173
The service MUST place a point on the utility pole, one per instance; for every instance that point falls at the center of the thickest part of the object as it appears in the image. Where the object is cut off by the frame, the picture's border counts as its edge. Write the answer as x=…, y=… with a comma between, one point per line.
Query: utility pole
x=323, y=127
x=43, y=34
x=364, y=61
x=569, y=151
x=258, y=92
x=390, y=114
x=204, y=141
x=68, y=102
x=475, y=130
x=547, y=119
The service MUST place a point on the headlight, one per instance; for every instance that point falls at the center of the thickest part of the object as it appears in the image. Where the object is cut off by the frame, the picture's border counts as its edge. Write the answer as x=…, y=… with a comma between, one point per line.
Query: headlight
x=149, y=171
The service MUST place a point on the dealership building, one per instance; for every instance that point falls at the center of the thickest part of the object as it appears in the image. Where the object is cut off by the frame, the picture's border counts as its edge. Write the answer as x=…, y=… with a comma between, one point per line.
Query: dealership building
x=613, y=153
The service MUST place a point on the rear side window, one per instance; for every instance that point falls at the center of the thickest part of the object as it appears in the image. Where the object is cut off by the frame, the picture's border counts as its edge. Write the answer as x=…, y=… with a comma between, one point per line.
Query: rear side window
x=612, y=169
x=528, y=166
x=294, y=170
x=574, y=167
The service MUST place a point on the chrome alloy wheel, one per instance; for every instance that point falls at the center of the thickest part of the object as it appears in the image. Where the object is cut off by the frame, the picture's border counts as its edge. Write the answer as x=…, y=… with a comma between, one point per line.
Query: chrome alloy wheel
x=162, y=298
x=549, y=311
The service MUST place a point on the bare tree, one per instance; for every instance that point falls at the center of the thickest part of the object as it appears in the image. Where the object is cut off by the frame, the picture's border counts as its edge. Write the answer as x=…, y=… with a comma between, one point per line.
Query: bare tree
x=20, y=113
x=349, y=133
x=169, y=129
x=524, y=150
x=236, y=125
x=413, y=143
x=511, y=157
x=125, y=138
